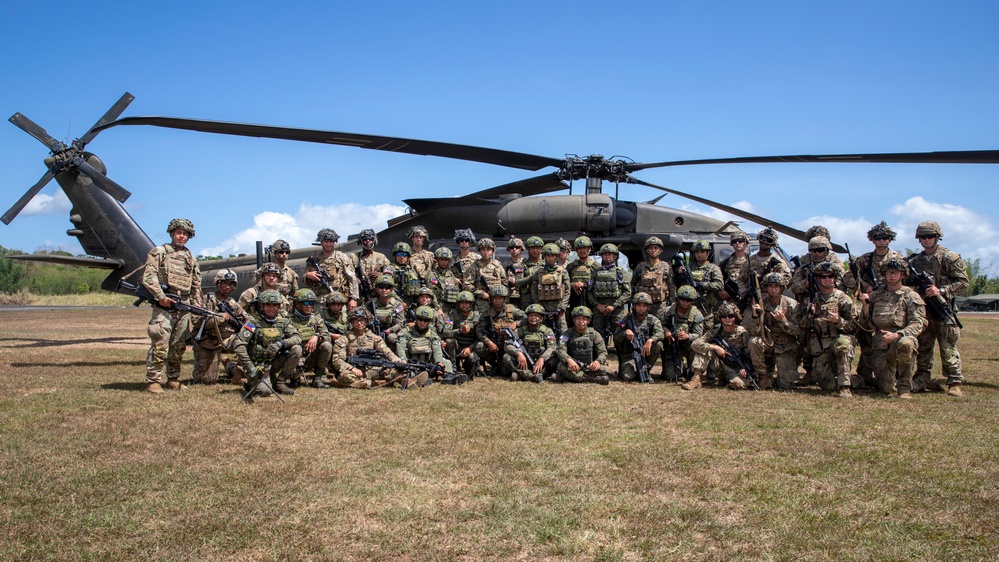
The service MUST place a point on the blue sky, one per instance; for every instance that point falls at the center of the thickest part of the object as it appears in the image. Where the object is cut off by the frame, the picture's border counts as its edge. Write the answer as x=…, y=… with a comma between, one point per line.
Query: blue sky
x=649, y=80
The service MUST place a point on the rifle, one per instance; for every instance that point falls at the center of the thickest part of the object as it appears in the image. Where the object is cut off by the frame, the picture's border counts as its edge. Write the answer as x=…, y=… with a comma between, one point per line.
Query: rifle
x=682, y=270
x=854, y=271
x=674, y=347
x=324, y=276
x=937, y=306
x=511, y=337
x=494, y=336
x=870, y=272
x=364, y=358
x=637, y=344
x=143, y=294
x=262, y=375
x=333, y=329
x=367, y=291
x=552, y=321
x=375, y=326
x=733, y=358
x=234, y=320
x=485, y=285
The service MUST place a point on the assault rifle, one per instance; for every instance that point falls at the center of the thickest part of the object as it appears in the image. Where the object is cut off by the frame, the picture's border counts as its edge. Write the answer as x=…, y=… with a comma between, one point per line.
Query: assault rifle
x=870, y=273
x=511, y=337
x=754, y=286
x=363, y=282
x=552, y=321
x=854, y=271
x=733, y=358
x=675, y=346
x=937, y=307
x=143, y=295
x=262, y=376
x=324, y=276
x=333, y=329
x=682, y=270
x=364, y=358
x=637, y=344
x=491, y=333
x=234, y=320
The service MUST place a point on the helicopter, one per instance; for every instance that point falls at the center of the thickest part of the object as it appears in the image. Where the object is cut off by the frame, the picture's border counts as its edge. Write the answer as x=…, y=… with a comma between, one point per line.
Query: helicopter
x=112, y=239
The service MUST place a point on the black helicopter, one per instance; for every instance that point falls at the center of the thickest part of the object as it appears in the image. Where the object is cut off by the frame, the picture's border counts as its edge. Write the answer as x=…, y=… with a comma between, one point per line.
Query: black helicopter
x=522, y=208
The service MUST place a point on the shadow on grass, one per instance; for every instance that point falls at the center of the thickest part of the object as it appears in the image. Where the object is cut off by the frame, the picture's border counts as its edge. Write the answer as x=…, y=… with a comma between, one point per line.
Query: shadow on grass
x=54, y=343
x=80, y=364
x=133, y=386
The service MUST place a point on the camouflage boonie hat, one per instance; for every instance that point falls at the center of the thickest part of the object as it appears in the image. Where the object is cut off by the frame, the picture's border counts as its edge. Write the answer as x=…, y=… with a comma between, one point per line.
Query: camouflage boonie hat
x=418, y=230
x=729, y=307
x=270, y=296
x=582, y=311
x=738, y=236
x=893, y=263
x=443, y=253
x=401, y=247
x=367, y=234
x=925, y=228
x=269, y=267
x=536, y=309
x=280, y=246
x=700, y=245
x=487, y=243
x=653, y=241
x=303, y=295
x=467, y=296
x=515, y=243
x=549, y=250
x=424, y=313
x=819, y=243
x=385, y=281
x=879, y=230
x=686, y=292
x=336, y=297
x=642, y=298
x=817, y=230
x=773, y=279
x=325, y=234
x=767, y=235
x=609, y=249
x=464, y=234
x=535, y=242
x=498, y=292
x=182, y=224
x=563, y=245
x=582, y=242
x=226, y=275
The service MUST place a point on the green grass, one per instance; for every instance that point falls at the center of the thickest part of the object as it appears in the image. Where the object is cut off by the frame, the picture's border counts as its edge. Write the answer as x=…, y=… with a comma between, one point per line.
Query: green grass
x=94, y=468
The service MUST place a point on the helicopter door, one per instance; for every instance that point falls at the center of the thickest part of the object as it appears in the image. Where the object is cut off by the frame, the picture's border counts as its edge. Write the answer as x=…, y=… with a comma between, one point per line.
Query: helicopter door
x=599, y=212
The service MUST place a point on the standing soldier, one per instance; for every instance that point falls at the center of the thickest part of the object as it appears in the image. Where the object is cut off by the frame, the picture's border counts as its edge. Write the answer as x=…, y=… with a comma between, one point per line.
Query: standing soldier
x=950, y=278
x=654, y=277
x=682, y=324
x=173, y=265
x=564, y=247
x=829, y=322
x=532, y=264
x=460, y=335
x=732, y=265
x=764, y=261
x=871, y=278
x=213, y=336
x=774, y=330
x=649, y=326
x=550, y=289
x=407, y=280
x=514, y=268
x=464, y=238
x=708, y=279
x=421, y=342
x=610, y=291
x=490, y=329
x=316, y=349
x=359, y=337
x=819, y=251
x=712, y=359
x=443, y=282
x=539, y=341
x=269, y=273
x=265, y=342
x=484, y=274
x=421, y=259
x=287, y=282
x=387, y=309
x=583, y=356
x=368, y=263
x=336, y=264
x=896, y=316
x=581, y=271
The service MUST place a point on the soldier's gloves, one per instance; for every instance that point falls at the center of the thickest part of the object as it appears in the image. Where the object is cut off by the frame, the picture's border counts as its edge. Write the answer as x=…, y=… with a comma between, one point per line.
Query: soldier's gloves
x=274, y=348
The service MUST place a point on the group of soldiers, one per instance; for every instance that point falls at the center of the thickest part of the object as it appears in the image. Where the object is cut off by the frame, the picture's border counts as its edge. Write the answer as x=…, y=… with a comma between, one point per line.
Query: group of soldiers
x=366, y=320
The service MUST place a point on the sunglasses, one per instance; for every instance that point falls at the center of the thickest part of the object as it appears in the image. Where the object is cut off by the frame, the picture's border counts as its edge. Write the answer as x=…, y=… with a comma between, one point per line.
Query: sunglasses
x=308, y=303
x=825, y=276
x=724, y=316
x=818, y=251
x=927, y=236
x=684, y=299
x=882, y=237
x=403, y=254
x=282, y=252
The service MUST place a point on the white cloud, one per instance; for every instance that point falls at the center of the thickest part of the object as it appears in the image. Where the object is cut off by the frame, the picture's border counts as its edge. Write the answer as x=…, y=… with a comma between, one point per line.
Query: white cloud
x=42, y=204
x=300, y=229
x=965, y=231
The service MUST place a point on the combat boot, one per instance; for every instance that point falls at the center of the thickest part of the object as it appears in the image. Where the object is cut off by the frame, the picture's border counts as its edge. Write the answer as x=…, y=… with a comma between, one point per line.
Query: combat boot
x=766, y=381
x=844, y=392
x=737, y=384
x=236, y=372
x=694, y=382
x=538, y=378
x=360, y=384
x=318, y=382
x=905, y=396
x=174, y=384
x=602, y=379
x=954, y=390
x=282, y=388
x=154, y=387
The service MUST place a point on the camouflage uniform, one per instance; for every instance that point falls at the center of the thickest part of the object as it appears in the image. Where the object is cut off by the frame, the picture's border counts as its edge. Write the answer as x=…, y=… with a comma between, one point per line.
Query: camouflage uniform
x=317, y=361
x=524, y=281
x=755, y=265
x=950, y=275
x=248, y=298
x=494, y=274
x=255, y=337
x=652, y=328
x=691, y=323
x=374, y=262
x=340, y=268
x=169, y=329
x=445, y=287
x=707, y=362
x=584, y=348
x=864, y=264
x=390, y=315
x=457, y=341
x=422, y=345
x=348, y=346
x=496, y=320
x=708, y=281
x=540, y=343
x=582, y=272
x=657, y=282
x=217, y=338
x=611, y=286
x=779, y=349
x=731, y=266
x=830, y=344
x=514, y=273
x=903, y=312
x=550, y=289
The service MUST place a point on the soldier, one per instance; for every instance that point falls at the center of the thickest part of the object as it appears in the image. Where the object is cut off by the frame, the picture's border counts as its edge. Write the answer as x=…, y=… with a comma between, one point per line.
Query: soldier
x=829, y=322
x=950, y=277
x=563, y=252
x=708, y=279
x=265, y=342
x=581, y=271
x=550, y=289
x=337, y=265
x=426, y=298
x=583, y=356
x=387, y=309
x=762, y=262
x=213, y=336
x=819, y=251
x=316, y=349
x=682, y=324
x=610, y=291
x=460, y=335
x=464, y=238
x=421, y=259
x=533, y=263
x=368, y=264
x=654, y=277
x=359, y=337
x=421, y=342
x=443, y=282
x=774, y=330
x=287, y=282
x=407, y=280
x=819, y=230
x=732, y=265
x=490, y=329
x=514, y=268
x=649, y=326
x=334, y=314
x=869, y=268
x=269, y=273
x=484, y=274
x=896, y=316
x=173, y=265
x=711, y=359
x=539, y=340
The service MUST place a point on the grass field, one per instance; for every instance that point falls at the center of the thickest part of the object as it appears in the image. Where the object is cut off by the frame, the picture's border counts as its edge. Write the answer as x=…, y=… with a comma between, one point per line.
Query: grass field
x=94, y=468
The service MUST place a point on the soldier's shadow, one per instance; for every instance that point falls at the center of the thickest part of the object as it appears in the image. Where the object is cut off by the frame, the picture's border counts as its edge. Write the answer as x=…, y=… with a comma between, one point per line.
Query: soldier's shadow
x=81, y=364
x=130, y=386
x=55, y=343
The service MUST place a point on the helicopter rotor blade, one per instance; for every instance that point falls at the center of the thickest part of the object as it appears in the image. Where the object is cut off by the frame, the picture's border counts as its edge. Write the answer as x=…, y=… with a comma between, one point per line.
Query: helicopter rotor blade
x=953, y=157
x=782, y=228
x=545, y=183
x=102, y=181
x=27, y=197
x=391, y=144
x=116, y=110
x=33, y=129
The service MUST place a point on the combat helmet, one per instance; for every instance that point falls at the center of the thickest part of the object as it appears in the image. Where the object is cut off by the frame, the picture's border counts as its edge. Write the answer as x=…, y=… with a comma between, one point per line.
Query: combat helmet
x=467, y=296
x=325, y=234
x=418, y=230
x=358, y=312
x=535, y=242
x=385, y=280
x=582, y=311
x=767, y=236
x=463, y=234
x=402, y=247
x=280, y=245
x=498, y=292
x=686, y=292
x=729, y=307
x=653, y=241
x=225, y=275
x=582, y=242
x=893, y=263
x=738, y=236
x=269, y=267
x=182, y=224
x=609, y=249
x=270, y=296
x=515, y=243
x=549, y=250
x=773, y=279
x=563, y=245
x=700, y=245
x=641, y=297
x=368, y=234
x=443, y=253
x=819, y=243
x=880, y=230
x=536, y=309
x=336, y=297
x=925, y=228
x=825, y=268
x=486, y=243
x=304, y=295
x=425, y=291
x=424, y=313
x=817, y=230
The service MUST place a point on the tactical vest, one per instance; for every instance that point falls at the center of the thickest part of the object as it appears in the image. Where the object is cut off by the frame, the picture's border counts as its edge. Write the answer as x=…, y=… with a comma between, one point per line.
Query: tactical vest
x=385, y=313
x=465, y=340
x=420, y=347
x=534, y=341
x=888, y=311
x=263, y=335
x=355, y=342
x=305, y=328
x=447, y=288
x=651, y=282
x=505, y=319
x=581, y=274
x=176, y=270
x=550, y=286
x=607, y=283
x=581, y=348
x=409, y=280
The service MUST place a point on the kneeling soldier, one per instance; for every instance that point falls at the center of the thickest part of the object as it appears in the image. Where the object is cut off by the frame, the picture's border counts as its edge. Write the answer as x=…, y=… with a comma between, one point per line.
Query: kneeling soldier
x=460, y=336
x=539, y=342
x=712, y=358
x=420, y=342
x=359, y=337
x=829, y=323
x=774, y=345
x=649, y=327
x=214, y=336
x=264, y=343
x=316, y=349
x=583, y=358
x=682, y=324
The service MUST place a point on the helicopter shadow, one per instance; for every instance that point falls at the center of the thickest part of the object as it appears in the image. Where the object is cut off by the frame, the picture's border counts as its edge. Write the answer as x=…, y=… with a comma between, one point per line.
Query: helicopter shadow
x=32, y=343
x=81, y=364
